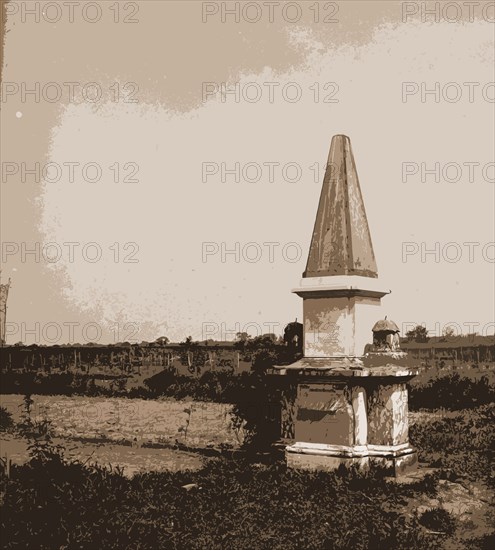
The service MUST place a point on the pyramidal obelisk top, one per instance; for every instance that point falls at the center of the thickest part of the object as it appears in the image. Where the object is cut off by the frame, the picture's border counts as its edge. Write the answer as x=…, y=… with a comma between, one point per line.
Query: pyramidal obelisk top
x=341, y=241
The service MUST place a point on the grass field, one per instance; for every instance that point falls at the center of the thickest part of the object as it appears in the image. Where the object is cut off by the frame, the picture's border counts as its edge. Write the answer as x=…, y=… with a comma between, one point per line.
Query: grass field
x=134, y=473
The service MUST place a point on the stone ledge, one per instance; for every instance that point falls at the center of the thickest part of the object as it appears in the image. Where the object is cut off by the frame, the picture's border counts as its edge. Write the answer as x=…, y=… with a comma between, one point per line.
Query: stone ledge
x=340, y=285
x=347, y=451
x=323, y=449
x=372, y=365
x=396, y=467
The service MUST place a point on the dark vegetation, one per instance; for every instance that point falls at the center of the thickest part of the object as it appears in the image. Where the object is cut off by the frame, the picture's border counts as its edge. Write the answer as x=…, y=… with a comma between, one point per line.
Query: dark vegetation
x=6, y=422
x=462, y=445
x=220, y=386
x=437, y=519
x=433, y=388
x=451, y=390
x=51, y=503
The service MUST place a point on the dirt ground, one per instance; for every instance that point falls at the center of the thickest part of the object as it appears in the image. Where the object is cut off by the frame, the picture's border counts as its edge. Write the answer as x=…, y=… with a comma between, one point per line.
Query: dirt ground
x=129, y=460
x=137, y=421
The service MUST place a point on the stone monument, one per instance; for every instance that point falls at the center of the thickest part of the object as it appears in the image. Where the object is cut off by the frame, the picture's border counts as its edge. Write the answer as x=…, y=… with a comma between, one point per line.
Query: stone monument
x=349, y=406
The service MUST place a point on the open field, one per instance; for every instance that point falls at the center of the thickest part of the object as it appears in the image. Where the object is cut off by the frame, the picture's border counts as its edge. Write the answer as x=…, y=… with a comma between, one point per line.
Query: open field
x=149, y=463
x=235, y=504
x=136, y=421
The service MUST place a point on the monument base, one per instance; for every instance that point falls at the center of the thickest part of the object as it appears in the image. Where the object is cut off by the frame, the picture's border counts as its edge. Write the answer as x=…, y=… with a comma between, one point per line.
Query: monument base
x=394, y=460
x=350, y=411
x=398, y=465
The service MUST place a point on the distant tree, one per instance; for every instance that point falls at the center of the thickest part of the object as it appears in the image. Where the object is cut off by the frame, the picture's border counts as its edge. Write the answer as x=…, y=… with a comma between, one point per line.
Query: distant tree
x=264, y=342
x=263, y=351
x=162, y=341
x=242, y=337
x=268, y=338
x=187, y=342
x=417, y=334
x=123, y=344
x=241, y=340
x=448, y=333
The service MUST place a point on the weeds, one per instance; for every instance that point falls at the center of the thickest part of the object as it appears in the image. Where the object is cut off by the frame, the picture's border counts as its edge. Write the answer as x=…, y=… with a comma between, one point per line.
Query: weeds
x=438, y=520
x=451, y=391
x=239, y=505
x=41, y=447
x=6, y=422
x=463, y=443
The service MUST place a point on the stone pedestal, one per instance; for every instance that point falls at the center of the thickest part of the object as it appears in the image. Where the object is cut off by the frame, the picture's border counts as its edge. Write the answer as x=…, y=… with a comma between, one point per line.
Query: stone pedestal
x=339, y=312
x=350, y=411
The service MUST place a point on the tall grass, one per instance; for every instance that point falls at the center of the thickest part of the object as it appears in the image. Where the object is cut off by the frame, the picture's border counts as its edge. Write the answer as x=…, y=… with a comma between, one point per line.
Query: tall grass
x=226, y=505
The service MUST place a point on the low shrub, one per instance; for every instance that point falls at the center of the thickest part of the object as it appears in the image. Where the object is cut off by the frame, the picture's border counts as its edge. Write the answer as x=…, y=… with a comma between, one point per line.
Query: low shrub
x=452, y=392
x=227, y=504
x=63, y=383
x=462, y=442
x=438, y=520
x=6, y=422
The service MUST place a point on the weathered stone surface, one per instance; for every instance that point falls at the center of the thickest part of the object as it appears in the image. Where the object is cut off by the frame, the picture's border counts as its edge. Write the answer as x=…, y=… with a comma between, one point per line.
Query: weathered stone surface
x=397, y=466
x=347, y=418
x=341, y=242
x=337, y=326
x=288, y=412
x=358, y=396
x=325, y=463
x=324, y=414
x=387, y=414
x=325, y=367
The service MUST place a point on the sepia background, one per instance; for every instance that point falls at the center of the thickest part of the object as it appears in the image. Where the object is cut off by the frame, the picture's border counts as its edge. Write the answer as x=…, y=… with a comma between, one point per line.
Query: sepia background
x=160, y=215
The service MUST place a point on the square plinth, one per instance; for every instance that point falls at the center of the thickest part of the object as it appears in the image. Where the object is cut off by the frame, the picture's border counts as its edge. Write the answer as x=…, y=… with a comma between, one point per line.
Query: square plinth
x=345, y=411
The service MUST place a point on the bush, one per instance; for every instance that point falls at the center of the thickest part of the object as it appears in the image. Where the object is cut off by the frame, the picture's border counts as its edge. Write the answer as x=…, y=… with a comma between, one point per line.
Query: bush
x=438, y=520
x=485, y=542
x=451, y=392
x=230, y=505
x=65, y=383
x=462, y=442
x=6, y=422
x=257, y=410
